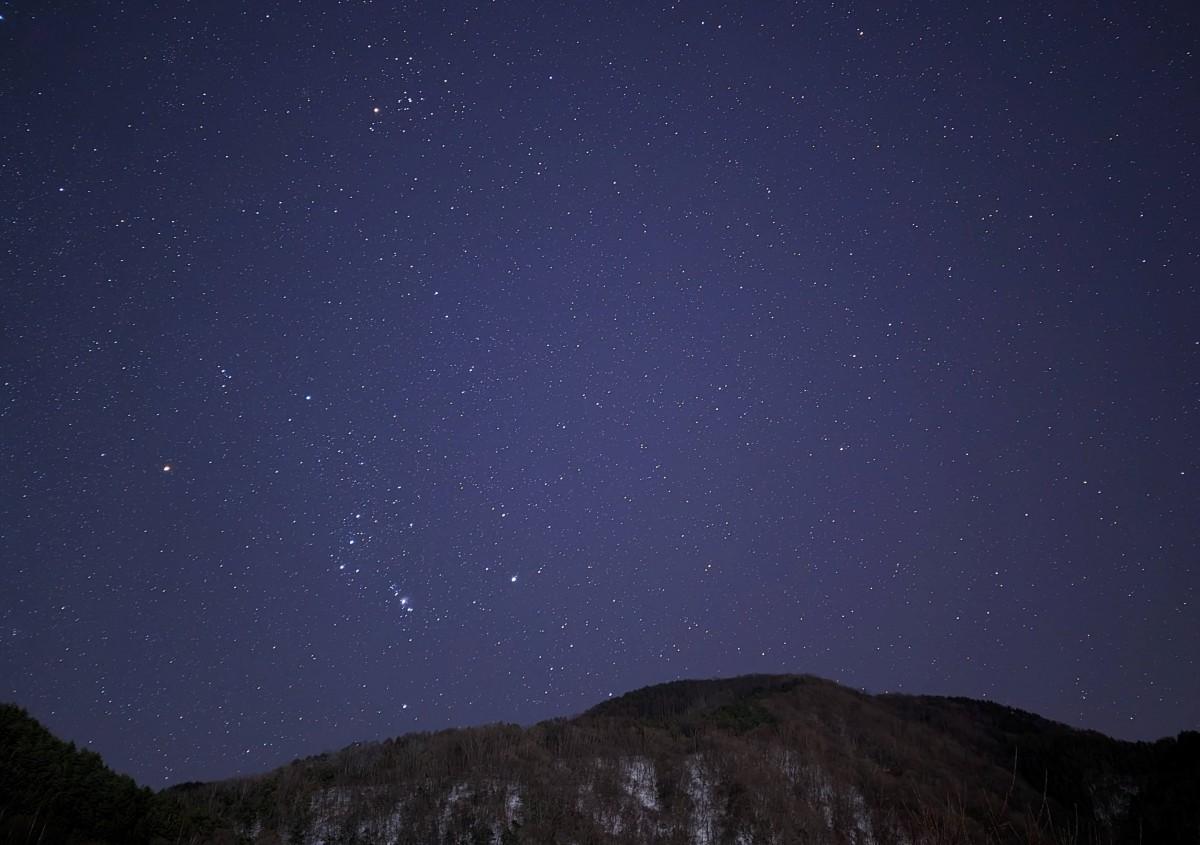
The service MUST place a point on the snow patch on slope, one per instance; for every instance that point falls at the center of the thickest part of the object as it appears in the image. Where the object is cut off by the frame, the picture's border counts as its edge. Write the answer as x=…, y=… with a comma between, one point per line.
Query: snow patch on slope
x=863, y=834
x=788, y=763
x=512, y=804
x=700, y=791
x=820, y=787
x=329, y=807
x=458, y=792
x=386, y=829
x=640, y=781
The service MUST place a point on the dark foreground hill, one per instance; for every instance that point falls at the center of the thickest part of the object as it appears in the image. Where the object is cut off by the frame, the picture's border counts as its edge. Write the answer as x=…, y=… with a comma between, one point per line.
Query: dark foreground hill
x=755, y=759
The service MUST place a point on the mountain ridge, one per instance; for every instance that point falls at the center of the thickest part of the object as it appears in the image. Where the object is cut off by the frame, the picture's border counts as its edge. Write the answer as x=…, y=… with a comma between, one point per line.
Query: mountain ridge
x=748, y=759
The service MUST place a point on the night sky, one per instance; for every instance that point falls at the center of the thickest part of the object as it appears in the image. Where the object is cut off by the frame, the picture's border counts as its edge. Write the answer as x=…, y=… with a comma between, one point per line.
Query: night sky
x=371, y=367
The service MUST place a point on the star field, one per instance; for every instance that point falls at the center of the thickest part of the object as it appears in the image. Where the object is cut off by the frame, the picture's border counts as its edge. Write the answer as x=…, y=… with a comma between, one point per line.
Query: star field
x=377, y=367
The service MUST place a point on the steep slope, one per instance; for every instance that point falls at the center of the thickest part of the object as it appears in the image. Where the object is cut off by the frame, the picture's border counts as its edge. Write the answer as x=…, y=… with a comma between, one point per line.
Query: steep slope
x=754, y=759
x=51, y=791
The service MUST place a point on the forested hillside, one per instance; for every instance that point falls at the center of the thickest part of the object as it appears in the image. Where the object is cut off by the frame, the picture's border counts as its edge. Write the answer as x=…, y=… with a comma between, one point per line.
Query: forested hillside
x=755, y=759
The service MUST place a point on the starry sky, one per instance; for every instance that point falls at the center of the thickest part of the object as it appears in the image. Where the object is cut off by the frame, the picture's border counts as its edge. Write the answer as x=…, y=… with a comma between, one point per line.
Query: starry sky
x=371, y=367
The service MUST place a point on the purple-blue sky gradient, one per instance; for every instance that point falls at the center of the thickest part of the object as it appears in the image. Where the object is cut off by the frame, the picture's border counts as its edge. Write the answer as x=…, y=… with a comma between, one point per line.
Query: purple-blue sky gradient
x=370, y=367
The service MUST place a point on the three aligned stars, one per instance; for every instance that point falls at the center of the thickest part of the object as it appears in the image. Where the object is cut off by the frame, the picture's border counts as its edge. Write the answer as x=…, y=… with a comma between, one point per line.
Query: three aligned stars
x=404, y=601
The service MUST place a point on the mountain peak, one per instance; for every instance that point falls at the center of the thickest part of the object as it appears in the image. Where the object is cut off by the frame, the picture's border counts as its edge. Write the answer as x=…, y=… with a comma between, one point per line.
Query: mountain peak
x=749, y=759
